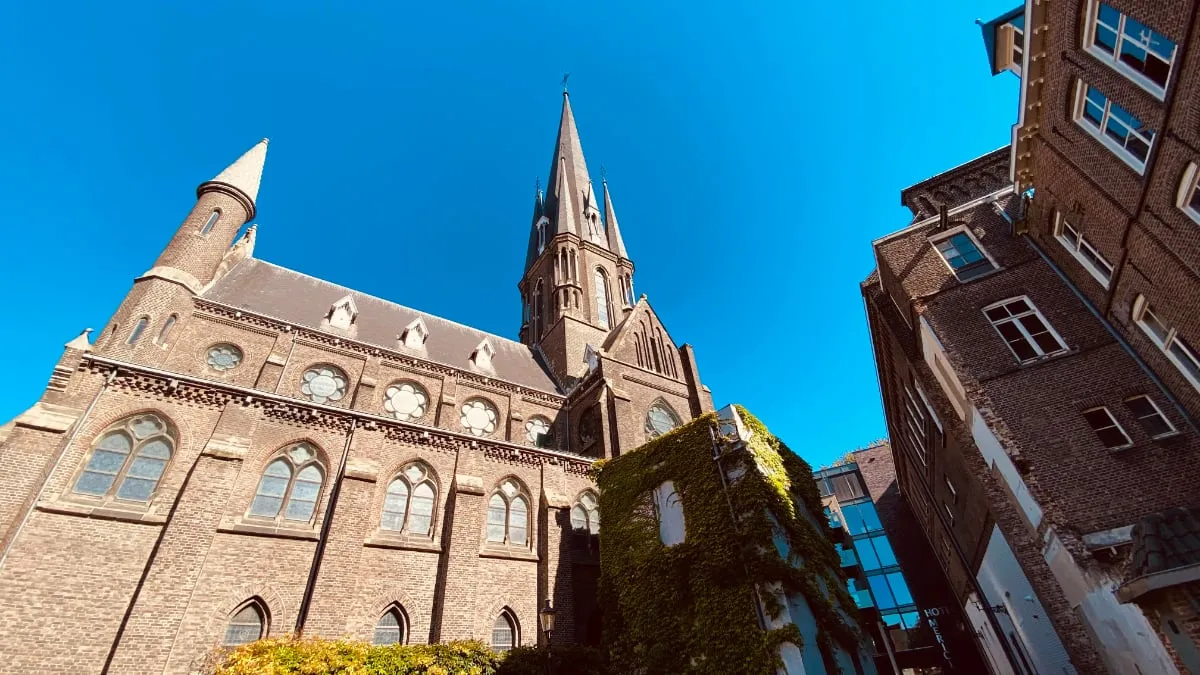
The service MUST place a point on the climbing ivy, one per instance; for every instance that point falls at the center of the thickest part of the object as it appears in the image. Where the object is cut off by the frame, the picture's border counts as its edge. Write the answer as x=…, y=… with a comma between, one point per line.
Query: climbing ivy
x=691, y=608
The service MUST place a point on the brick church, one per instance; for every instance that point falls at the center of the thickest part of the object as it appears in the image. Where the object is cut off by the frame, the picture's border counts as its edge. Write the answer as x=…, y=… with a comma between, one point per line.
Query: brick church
x=249, y=451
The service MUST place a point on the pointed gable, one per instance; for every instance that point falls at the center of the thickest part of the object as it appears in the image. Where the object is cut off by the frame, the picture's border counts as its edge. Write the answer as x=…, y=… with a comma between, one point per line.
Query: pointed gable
x=615, y=243
x=642, y=340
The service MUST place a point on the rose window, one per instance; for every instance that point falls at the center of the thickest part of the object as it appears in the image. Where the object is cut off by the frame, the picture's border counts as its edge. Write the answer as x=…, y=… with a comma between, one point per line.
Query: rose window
x=537, y=431
x=323, y=384
x=405, y=401
x=479, y=417
x=224, y=357
x=660, y=420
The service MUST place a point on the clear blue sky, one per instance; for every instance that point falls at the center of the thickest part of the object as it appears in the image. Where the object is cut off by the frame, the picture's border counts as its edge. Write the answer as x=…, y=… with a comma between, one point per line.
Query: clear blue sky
x=753, y=151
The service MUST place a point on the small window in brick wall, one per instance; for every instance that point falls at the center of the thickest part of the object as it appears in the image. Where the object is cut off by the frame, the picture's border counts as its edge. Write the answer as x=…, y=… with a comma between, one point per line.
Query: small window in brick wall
x=1149, y=416
x=1107, y=428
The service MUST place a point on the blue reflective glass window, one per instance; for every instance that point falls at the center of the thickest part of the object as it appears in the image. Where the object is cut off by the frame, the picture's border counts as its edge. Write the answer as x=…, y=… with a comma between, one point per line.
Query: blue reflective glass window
x=883, y=549
x=866, y=554
x=899, y=588
x=883, y=594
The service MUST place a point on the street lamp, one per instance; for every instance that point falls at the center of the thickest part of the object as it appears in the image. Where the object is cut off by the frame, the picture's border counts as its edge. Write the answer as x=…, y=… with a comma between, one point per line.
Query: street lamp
x=546, y=617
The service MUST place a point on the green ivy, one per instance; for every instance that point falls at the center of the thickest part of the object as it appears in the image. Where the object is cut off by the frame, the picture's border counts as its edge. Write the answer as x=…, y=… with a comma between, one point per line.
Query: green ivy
x=691, y=608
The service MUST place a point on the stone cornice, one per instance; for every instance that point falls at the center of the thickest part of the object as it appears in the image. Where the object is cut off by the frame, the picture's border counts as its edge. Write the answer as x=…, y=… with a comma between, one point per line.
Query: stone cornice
x=165, y=385
x=227, y=189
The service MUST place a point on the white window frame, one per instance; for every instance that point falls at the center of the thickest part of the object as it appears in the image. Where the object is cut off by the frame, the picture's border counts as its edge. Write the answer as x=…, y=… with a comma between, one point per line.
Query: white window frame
x=1114, y=60
x=1075, y=242
x=1134, y=162
x=1157, y=410
x=925, y=399
x=950, y=487
x=1115, y=425
x=1028, y=338
x=1141, y=307
x=1187, y=188
x=962, y=229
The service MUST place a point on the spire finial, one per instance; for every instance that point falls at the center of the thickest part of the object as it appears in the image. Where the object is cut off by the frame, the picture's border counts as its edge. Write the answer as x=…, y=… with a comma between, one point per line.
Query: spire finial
x=564, y=83
x=603, y=175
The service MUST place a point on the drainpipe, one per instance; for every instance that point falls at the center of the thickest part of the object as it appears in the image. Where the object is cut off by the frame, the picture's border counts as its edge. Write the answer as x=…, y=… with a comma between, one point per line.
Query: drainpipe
x=310, y=586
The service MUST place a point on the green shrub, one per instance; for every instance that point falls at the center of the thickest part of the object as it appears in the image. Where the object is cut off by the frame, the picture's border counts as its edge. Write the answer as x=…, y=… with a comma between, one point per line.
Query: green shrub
x=313, y=656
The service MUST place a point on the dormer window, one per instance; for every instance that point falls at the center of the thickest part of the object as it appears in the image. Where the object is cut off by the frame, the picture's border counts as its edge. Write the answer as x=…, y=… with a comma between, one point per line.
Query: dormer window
x=415, y=334
x=343, y=313
x=483, y=355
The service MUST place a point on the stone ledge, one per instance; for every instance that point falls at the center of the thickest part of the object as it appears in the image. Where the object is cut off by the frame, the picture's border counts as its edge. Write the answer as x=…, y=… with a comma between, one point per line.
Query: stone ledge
x=227, y=447
x=362, y=469
x=173, y=275
x=403, y=542
x=103, y=512
x=472, y=485
x=508, y=553
x=48, y=417
x=268, y=530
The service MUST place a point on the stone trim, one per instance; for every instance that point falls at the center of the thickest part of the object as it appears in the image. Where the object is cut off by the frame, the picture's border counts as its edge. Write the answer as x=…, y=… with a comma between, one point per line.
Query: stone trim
x=239, y=526
x=401, y=542
x=1134, y=589
x=173, y=275
x=48, y=417
x=471, y=485
x=653, y=385
x=102, y=512
x=508, y=553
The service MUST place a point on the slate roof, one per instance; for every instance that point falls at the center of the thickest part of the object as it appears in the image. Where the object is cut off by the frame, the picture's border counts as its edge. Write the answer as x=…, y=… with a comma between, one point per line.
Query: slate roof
x=1165, y=541
x=301, y=300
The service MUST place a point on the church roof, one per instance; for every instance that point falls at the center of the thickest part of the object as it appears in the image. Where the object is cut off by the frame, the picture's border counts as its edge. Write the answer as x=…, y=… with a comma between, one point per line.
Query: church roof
x=301, y=300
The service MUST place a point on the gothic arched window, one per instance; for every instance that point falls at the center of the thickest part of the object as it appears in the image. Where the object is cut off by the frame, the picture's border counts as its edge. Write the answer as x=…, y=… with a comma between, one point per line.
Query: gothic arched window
x=410, y=499
x=138, y=329
x=211, y=222
x=131, y=456
x=247, y=624
x=585, y=515
x=290, y=486
x=601, y=290
x=504, y=632
x=508, y=515
x=660, y=419
x=391, y=629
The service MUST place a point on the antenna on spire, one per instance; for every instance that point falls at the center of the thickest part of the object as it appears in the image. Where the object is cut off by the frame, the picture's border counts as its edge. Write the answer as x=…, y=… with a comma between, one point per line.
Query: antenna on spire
x=564, y=82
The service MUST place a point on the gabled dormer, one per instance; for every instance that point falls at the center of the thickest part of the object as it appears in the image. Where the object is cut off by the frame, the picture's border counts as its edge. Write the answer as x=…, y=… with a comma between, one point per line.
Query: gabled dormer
x=342, y=315
x=414, y=335
x=483, y=355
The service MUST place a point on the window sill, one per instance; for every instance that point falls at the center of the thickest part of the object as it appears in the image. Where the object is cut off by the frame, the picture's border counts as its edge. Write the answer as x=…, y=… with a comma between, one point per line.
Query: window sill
x=508, y=553
x=1045, y=358
x=403, y=542
x=1130, y=160
x=104, y=511
x=269, y=529
x=982, y=275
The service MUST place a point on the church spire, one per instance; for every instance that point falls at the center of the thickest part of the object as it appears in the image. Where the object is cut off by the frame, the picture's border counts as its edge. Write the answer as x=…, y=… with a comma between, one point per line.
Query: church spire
x=241, y=179
x=539, y=232
x=569, y=181
x=615, y=243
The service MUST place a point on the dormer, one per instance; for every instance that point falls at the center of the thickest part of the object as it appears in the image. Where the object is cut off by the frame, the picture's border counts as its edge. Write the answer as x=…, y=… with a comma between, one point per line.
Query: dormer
x=415, y=334
x=482, y=357
x=342, y=314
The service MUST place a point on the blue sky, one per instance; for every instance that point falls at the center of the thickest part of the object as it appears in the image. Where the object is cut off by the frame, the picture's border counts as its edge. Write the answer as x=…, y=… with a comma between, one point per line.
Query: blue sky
x=753, y=153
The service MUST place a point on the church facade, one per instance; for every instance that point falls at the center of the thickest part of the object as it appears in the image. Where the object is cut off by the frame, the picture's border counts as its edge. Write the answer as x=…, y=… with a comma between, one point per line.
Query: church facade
x=248, y=451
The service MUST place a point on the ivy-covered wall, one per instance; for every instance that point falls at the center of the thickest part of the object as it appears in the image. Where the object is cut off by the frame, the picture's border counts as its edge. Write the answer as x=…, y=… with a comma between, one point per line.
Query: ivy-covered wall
x=693, y=607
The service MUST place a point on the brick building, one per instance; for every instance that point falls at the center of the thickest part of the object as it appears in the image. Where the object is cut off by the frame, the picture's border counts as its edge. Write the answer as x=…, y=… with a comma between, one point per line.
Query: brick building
x=246, y=450
x=1031, y=328
x=915, y=620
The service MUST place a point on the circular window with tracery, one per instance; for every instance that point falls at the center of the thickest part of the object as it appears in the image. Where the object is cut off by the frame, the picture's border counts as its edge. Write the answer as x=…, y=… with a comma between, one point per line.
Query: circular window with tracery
x=406, y=401
x=224, y=357
x=479, y=417
x=537, y=431
x=660, y=419
x=323, y=384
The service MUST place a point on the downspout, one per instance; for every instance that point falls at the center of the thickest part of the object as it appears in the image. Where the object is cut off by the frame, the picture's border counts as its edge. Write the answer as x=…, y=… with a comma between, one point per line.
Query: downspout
x=754, y=596
x=1115, y=335
x=112, y=375
x=310, y=586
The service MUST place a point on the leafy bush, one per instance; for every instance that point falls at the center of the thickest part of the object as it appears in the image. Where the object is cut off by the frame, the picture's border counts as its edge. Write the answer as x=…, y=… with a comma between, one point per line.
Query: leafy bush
x=312, y=656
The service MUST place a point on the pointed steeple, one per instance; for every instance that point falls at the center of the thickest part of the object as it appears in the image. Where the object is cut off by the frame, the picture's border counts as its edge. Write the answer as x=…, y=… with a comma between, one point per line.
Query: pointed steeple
x=242, y=178
x=537, y=239
x=615, y=243
x=569, y=180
